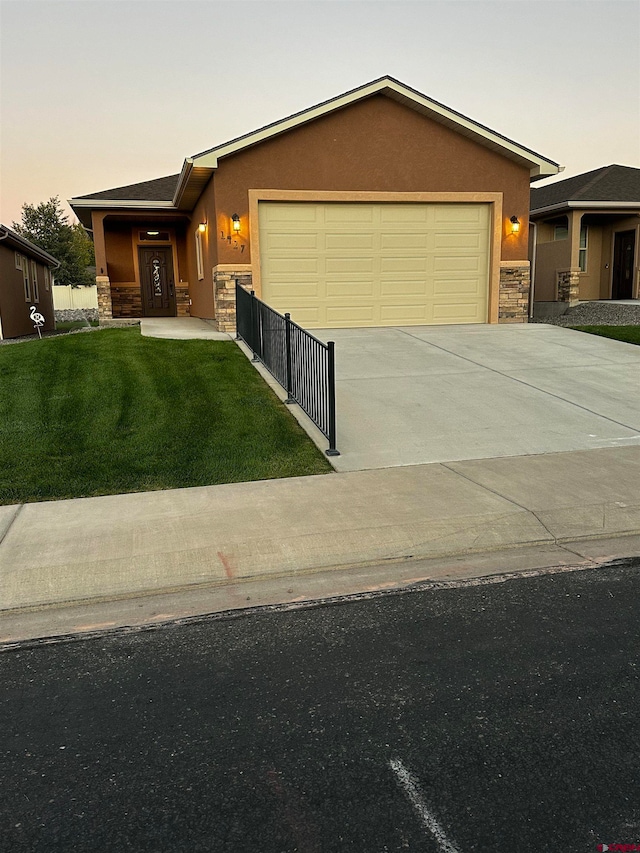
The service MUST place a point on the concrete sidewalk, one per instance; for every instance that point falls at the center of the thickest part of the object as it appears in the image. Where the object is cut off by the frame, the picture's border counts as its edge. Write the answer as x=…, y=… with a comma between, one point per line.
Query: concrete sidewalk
x=199, y=541
x=181, y=329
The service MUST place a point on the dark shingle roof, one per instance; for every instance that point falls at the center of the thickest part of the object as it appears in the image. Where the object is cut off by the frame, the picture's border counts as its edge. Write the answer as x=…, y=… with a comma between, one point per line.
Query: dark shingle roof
x=610, y=183
x=160, y=189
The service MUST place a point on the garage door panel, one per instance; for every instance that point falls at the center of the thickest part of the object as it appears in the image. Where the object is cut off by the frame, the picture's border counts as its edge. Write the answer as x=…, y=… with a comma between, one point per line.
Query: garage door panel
x=456, y=312
x=400, y=315
x=285, y=212
x=348, y=314
x=288, y=241
x=457, y=287
x=394, y=289
x=403, y=213
x=294, y=266
x=358, y=266
x=375, y=264
x=475, y=213
x=400, y=241
x=294, y=291
x=344, y=213
x=457, y=264
x=309, y=317
x=353, y=240
x=465, y=240
x=340, y=289
x=402, y=266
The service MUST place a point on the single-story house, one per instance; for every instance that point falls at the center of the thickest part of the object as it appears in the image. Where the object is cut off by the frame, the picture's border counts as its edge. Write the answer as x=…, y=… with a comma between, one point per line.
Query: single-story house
x=585, y=236
x=378, y=207
x=26, y=279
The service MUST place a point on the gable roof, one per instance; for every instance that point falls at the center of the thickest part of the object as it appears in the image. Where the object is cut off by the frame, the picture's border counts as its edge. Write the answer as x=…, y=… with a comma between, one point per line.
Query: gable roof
x=197, y=170
x=18, y=242
x=403, y=94
x=610, y=185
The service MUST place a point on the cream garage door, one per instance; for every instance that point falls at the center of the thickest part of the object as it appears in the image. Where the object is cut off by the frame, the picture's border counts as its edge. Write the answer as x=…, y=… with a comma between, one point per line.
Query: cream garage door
x=335, y=265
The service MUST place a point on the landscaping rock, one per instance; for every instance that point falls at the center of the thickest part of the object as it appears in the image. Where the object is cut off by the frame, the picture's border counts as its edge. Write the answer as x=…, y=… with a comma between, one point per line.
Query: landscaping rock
x=597, y=314
x=74, y=314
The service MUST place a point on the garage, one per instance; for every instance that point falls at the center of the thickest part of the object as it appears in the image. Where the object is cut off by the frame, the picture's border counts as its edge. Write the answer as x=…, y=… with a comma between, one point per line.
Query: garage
x=335, y=265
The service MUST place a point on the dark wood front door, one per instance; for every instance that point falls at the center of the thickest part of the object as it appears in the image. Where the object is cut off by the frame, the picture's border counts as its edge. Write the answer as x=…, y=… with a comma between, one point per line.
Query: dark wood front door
x=156, y=280
x=623, y=265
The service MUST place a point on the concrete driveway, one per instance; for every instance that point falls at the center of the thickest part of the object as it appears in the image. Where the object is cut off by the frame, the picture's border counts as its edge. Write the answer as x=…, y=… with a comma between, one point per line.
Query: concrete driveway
x=420, y=394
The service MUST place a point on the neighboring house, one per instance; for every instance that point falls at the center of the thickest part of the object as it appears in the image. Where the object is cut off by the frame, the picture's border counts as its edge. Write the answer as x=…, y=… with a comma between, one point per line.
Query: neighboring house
x=585, y=238
x=378, y=207
x=26, y=278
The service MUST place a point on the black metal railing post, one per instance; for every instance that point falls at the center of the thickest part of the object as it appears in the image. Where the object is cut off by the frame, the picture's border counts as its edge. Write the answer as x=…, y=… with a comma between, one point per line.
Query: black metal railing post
x=287, y=343
x=255, y=332
x=238, y=310
x=331, y=390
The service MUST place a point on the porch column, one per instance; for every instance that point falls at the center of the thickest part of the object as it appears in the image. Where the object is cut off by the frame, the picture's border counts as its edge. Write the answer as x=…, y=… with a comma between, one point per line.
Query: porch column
x=224, y=290
x=105, y=307
x=575, y=221
x=568, y=286
x=568, y=280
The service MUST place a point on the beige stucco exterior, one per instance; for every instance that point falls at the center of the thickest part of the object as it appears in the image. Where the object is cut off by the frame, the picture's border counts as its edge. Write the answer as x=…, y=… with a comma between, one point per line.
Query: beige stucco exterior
x=555, y=258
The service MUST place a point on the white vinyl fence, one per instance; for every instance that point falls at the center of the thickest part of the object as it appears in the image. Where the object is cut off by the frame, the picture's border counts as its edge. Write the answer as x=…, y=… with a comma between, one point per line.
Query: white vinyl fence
x=67, y=297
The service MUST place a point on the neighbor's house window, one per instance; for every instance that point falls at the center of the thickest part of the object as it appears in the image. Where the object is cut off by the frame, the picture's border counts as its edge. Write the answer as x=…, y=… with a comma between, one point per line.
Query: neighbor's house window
x=582, y=253
x=25, y=278
x=34, y=282
x=46, y=277
x=18, y=261
x=199, y=262
x=560, y=232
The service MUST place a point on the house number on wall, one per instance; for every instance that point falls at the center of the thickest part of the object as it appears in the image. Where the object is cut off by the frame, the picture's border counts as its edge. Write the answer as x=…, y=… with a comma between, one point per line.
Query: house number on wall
x=157, y=284
x=236, y=245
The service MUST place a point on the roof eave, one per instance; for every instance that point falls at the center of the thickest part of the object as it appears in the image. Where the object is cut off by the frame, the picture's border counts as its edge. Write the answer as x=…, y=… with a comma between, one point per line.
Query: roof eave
x=83, y=207
x=109, y=203
x=17, y=240
x=193, y=179
x=586, y=205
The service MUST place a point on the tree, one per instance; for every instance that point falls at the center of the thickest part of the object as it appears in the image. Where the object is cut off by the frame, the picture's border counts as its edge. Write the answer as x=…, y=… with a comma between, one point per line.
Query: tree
x=47, y=225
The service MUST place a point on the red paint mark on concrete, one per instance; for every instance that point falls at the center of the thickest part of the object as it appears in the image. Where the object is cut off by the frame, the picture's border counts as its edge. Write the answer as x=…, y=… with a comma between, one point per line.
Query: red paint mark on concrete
x=227, y=565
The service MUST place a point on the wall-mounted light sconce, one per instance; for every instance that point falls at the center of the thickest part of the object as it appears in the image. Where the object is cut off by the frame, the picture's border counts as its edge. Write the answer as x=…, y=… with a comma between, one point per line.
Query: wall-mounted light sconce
x=153, y=233
x=235, y=223
x=515, y=225
x=202, y=227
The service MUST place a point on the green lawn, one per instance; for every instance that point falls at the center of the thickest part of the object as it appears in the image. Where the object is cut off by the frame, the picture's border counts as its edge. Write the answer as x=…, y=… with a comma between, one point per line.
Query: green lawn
x=629, y=334
x=111, y=412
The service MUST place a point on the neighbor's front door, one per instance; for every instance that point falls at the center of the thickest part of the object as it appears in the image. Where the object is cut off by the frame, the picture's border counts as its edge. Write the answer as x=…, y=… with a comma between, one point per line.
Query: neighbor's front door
x=623, y=257
x=156, y=278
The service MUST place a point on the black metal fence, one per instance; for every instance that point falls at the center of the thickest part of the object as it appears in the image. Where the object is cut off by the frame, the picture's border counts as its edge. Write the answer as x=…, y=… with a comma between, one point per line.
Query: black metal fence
x=303, y=365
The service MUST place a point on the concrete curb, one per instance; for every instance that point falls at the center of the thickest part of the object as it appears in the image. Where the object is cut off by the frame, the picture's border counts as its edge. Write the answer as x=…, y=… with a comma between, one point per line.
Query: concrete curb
x=120, y=546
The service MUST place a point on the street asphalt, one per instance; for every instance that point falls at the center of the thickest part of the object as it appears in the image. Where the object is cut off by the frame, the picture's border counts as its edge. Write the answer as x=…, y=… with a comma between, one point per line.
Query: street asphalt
x=493, y=716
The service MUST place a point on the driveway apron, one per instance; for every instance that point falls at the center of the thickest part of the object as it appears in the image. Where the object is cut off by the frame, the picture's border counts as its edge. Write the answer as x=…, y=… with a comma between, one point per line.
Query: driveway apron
x=420, y=394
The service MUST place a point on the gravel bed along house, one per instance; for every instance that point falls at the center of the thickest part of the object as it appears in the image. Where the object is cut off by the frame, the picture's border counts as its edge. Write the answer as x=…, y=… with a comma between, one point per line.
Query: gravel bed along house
x=68, y=315
x=597, y=314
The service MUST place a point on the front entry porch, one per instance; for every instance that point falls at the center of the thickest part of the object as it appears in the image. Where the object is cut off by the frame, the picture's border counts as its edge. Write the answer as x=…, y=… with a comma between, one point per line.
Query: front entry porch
x=146, y=274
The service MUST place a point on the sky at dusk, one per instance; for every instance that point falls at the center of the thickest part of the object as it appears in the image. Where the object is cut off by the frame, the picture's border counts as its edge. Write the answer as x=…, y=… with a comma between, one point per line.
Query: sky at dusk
x=101, y=94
